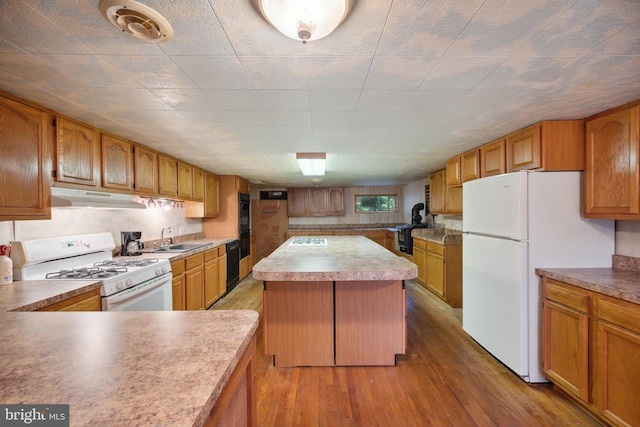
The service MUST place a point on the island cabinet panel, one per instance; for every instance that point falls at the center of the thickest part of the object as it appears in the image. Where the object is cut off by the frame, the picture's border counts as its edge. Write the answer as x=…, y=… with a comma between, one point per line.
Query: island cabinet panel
x=145, y=170
x=117, y=163
x=369, y=322
x=25, y=164
x=77, y=151
x=298, y=323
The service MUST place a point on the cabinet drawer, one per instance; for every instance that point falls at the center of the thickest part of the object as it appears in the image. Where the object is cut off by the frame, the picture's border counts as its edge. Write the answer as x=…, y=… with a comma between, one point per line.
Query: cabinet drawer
x=177, y=267
x=222, y=249
x=435, y=248
x=620, y=313
x=193, y=261
x=560, y=293
x=419, y=243
x=211, y=254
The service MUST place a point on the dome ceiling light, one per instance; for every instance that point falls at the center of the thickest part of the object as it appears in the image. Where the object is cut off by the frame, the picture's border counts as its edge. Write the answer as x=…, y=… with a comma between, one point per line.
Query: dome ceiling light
x=137, y=20
x=304, y=20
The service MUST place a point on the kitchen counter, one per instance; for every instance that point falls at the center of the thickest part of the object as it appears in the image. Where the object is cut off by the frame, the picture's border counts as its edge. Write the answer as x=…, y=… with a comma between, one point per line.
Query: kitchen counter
x=342, y=304
x=32, y=295
x=343, y=258
x=123, y=368
x=441, y=236
x=624, y=285
x=209, y=243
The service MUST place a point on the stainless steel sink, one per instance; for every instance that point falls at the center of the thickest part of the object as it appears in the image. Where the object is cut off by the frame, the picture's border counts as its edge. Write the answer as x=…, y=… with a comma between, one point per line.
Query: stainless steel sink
x=178, y=247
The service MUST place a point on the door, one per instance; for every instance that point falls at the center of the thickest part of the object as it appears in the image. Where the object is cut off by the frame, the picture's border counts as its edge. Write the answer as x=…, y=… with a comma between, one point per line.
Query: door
x=496, y=206
x=494, y=300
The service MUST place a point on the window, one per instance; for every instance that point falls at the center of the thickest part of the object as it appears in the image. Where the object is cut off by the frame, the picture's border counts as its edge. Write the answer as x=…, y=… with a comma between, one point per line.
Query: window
x=377, y=203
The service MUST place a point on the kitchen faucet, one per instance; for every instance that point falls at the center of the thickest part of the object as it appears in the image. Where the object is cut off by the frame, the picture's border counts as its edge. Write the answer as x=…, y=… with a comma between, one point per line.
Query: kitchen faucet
x=162, y=236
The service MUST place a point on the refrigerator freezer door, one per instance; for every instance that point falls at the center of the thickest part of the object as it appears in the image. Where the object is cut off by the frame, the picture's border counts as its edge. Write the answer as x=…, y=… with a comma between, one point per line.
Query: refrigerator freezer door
x=494, y=300
x=496, y=206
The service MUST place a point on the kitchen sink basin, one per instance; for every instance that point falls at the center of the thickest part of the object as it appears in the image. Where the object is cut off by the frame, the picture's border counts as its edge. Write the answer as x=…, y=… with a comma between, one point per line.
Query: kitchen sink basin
x=178, y=247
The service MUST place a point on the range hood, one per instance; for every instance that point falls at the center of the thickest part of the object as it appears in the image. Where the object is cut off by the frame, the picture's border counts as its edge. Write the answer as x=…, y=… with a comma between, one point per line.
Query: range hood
x=73, y=198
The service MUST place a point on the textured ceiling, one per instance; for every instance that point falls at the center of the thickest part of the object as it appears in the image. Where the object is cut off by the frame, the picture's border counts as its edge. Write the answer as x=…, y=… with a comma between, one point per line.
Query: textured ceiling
x=400, y=87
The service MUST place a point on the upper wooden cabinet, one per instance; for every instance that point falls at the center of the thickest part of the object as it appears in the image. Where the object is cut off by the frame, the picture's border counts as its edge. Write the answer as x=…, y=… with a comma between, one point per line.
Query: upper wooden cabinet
x=211, y=195
x=493, y=158
x=185, y=180
x=454, y=171
x=117, y=163
x=167, y=175
x=437, y=192
x=77, y=152
x=315, y=201
x=612, y=171
x=548, y=145
x=470, y=165
x=25, y=164
x=145, y=170
x=197, y=192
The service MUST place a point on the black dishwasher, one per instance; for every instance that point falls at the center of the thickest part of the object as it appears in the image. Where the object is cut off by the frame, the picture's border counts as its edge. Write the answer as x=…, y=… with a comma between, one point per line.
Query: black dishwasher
x=233, y=264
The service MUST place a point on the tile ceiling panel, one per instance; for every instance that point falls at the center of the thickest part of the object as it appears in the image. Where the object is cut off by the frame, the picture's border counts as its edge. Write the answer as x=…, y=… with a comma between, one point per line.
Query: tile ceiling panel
x=396, y=90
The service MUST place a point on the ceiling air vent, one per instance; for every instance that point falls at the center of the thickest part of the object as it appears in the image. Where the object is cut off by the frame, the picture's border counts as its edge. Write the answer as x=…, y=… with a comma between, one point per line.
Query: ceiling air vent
x=136, y=19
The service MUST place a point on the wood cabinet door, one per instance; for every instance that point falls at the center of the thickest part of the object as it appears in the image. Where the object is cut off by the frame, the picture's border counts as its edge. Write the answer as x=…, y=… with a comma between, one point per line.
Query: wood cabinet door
x=117, y=163
x=222, y=273
x=454, y=173
x=493, y=158
x=437, y=193
x=177, y=290
x=470, y=165
x=211, y=277
x=317, y=201
x=335, y=201
x=297, y=203
x=185, y=180
x=25, y=165
x=523, y=149
x=167, y=175
x=420, y=259
x=453, y=201
x=145, y=170
x=617, y=375
x=612, y=188
x=197, y=192
x=77, y=152
x=566, y=349
x=211, y=195
x=194, y=288
x=435, y=273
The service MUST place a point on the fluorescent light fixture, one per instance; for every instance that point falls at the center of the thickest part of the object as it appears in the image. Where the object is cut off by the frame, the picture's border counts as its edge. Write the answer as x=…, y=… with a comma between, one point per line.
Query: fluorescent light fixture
x=304, y=20
x=311, y=164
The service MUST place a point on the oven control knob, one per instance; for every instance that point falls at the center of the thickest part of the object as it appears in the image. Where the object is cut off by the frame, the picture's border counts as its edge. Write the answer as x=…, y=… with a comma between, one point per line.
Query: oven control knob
x=158, y=272
x=120, y=285
x=129, y=282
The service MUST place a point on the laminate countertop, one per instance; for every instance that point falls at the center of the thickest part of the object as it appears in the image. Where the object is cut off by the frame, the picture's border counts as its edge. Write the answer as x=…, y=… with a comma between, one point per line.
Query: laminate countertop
x=123, y=368
x=344, y=258
x=441, y=236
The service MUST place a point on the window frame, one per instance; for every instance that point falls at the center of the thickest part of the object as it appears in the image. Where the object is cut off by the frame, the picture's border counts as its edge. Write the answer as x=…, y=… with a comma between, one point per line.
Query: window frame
x=394, y=195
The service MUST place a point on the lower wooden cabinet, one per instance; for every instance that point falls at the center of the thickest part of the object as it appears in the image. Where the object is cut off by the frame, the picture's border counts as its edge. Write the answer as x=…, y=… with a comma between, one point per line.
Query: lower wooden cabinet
x=200, y=279
x=566, y=347
x=89, y=301
x=591, y=349
x=245, y=267
x=420, y=259
x=443, y=271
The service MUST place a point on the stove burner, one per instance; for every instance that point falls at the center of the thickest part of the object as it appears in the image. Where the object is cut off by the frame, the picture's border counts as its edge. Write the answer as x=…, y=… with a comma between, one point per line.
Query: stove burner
x=86, y=273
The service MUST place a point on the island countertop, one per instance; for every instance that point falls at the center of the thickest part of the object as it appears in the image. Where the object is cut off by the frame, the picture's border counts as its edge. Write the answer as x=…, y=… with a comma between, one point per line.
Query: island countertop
x=123, y=368
x=344, y=258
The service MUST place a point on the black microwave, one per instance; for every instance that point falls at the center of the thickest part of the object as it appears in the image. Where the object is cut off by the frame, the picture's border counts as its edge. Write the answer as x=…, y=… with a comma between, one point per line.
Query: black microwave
x=273, y=195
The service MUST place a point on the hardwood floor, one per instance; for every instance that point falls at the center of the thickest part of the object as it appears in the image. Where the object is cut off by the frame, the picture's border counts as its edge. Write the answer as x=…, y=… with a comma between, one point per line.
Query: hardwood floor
x=445, y=379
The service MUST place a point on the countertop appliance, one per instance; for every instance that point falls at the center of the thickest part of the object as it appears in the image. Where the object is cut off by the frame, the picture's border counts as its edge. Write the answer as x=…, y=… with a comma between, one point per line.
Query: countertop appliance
x=513, y=224
x=130, y=243
x=128, y=284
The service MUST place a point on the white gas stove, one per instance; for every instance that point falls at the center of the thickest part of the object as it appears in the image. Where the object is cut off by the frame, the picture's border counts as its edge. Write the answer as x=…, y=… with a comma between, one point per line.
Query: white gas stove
x=125, y=281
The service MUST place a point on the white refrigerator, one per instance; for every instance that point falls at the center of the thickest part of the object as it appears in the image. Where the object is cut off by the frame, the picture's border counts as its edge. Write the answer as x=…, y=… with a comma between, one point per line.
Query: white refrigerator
x=513, y=224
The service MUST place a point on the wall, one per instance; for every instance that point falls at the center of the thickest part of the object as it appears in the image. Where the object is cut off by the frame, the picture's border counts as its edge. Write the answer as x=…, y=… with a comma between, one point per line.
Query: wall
x=69, y=222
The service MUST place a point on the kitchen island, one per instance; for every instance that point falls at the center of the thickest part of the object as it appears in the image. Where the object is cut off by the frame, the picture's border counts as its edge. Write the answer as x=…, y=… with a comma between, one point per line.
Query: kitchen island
x=342, y=303
x=133, y=368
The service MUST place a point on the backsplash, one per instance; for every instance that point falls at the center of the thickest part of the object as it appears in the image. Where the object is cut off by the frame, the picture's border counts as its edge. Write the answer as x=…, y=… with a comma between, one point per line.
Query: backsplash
x=68, y=222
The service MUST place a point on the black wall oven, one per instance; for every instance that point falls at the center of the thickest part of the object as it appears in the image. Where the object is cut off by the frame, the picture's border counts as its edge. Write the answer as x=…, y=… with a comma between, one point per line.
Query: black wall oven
x=244, y=206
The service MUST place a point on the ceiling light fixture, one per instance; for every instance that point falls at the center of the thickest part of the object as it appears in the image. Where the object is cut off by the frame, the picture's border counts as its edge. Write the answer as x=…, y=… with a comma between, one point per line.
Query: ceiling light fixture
x=304, y=20
x=311, y=164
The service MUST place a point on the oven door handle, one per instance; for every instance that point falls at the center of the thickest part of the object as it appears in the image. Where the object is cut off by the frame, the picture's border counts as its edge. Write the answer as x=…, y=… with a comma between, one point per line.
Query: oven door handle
x=139, y=288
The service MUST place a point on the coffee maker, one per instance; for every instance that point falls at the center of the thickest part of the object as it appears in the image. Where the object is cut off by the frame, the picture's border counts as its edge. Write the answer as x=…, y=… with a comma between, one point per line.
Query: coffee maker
x=131, y=243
